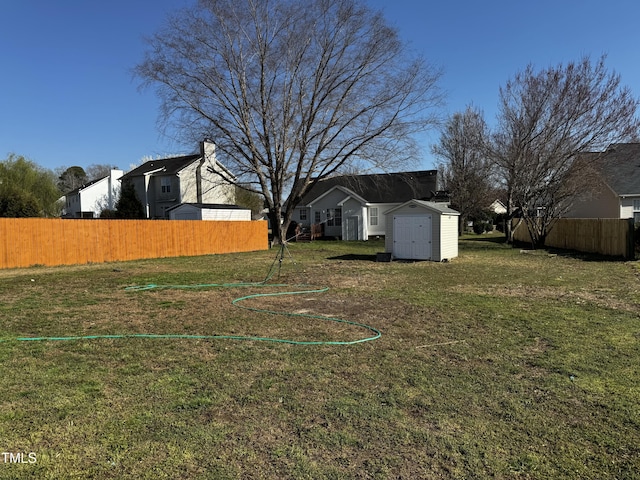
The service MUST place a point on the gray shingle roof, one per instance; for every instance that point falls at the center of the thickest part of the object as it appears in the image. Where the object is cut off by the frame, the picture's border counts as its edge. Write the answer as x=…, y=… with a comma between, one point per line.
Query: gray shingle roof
x=218, y=206
x=620, y=166
x=381, y=188
x=85, y=185
x=171, y=165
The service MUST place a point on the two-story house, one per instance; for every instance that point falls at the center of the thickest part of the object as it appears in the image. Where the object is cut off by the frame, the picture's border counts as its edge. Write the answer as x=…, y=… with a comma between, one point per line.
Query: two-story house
x=167, y=182
x=90, y=199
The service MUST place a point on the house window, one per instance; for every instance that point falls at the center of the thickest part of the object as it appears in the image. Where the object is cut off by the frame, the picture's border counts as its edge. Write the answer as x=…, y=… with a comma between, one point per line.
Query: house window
x=373, y=216
x=303, y=214
x=317, y=217
x=636, y=211
x=165, y=184
x=334, y=217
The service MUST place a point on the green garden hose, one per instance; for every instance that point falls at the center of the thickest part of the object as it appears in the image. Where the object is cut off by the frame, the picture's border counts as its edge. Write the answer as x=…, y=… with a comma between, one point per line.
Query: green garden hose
x=152, y=286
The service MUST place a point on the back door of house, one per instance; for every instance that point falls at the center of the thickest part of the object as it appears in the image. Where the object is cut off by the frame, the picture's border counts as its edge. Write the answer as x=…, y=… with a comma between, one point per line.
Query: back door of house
x=412, y=237
x=352, y=228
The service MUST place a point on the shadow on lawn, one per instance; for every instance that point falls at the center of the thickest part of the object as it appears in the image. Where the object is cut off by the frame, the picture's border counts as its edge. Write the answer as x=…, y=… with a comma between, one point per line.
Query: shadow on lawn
x=354, y=256
x=493, y=239
x=371, y=258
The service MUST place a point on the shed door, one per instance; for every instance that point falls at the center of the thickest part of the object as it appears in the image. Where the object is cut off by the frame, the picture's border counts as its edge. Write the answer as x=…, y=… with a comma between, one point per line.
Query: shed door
x=412, y=237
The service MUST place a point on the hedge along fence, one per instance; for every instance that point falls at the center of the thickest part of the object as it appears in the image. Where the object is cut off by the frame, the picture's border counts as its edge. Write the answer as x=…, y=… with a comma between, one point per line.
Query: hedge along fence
x=605, y=236
x=39, y=241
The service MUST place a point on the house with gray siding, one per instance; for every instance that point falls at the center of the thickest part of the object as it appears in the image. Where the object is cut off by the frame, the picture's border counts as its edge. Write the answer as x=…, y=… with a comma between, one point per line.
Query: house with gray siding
x=352, y=207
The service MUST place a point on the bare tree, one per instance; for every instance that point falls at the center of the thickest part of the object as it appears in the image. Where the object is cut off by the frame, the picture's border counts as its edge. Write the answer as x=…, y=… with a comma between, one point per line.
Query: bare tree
x=290, y=91
x=547, y=120
x=96, y=171
x=465, y=168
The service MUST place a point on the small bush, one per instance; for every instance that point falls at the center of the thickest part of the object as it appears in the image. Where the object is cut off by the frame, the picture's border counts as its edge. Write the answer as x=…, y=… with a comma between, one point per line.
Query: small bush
x=482, y=226
x=107, y=213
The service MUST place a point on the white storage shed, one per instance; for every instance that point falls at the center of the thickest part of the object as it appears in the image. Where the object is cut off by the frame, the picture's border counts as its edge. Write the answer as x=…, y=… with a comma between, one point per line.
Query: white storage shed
x=208, y=211
x=419, y=230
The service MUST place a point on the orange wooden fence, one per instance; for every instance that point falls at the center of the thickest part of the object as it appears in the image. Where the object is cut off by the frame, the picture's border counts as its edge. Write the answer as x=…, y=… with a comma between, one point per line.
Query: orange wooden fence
x=40, y=241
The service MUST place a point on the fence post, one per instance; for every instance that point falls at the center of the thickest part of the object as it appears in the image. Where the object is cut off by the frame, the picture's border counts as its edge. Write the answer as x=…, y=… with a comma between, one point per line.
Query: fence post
x=631, y=243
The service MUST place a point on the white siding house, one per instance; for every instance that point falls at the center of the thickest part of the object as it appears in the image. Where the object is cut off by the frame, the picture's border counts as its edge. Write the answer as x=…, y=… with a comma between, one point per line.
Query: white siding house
x=89, y=200
x=419, y=230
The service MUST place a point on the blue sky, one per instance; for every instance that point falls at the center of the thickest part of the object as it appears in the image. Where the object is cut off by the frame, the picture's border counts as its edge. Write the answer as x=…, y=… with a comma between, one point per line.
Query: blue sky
x=67, y=96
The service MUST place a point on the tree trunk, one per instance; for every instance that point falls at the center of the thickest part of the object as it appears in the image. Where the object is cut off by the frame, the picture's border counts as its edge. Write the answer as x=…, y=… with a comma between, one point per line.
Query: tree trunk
x=462, y=221
x=279, y=226
x=508, y=227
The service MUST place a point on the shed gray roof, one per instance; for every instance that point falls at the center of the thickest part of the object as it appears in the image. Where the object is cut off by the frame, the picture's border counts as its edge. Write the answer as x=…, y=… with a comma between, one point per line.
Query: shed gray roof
x=380, y=188
x=620, y=166
x=437, y=206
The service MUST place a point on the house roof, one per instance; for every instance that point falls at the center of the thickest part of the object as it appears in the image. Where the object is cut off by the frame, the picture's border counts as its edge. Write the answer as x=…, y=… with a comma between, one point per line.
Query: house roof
x=620, y=166
x=211, y=206
x=170, y=166
x=85, y=185
x=437, y=206
x=380, y=188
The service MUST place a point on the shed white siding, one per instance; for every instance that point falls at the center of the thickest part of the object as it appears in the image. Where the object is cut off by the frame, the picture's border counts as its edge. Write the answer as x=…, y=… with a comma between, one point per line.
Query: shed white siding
x=448, y=236
x=442, y=234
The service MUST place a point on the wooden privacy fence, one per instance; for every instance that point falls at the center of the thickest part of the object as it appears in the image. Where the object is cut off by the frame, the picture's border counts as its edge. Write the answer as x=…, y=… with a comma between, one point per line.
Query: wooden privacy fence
x=39, y=241
x=606, y=236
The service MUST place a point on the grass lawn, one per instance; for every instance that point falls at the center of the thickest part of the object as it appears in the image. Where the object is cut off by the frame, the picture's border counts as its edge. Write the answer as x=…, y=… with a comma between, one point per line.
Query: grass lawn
x=498, y=364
